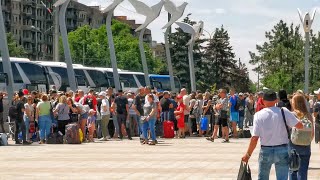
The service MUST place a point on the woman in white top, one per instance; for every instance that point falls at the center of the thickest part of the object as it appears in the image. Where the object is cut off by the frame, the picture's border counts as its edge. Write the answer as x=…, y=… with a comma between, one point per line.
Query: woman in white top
x=28, y=115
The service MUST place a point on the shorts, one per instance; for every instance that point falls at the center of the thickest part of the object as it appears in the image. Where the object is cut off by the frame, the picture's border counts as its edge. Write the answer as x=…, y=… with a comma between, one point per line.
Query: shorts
x=186, y=119
x=234, y=116
x=84, y=116
x=223, y=122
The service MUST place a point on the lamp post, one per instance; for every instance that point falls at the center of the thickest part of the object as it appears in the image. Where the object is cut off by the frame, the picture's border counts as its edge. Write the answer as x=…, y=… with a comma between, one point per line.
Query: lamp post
x=175, y=13
x=151, y=14
x=63, y=30
x=6, y=58
x=307, y=21
x=195, y=31
x=113, y=57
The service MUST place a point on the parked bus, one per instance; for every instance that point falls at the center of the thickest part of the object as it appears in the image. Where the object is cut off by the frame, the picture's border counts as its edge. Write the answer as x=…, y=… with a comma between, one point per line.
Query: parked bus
x=60, y=68
x=26, y=75
x=162, y=83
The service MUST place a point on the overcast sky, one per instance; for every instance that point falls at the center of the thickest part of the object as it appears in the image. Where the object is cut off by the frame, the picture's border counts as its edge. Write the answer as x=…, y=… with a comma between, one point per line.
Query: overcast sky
x=245, y=20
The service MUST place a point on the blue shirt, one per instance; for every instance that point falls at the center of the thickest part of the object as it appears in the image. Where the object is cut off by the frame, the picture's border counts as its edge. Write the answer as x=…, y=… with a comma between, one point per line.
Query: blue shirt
x=233, y=100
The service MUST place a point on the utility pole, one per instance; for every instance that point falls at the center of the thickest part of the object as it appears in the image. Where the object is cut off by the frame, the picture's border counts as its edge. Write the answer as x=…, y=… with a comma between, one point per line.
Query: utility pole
x=56, y=35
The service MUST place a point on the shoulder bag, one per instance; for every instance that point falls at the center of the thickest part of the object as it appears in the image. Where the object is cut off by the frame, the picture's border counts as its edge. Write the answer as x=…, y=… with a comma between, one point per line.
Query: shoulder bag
x=294, y=158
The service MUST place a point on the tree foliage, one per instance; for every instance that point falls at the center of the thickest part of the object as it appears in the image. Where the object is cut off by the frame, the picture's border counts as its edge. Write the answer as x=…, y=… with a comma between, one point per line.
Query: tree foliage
x=90, y=47
x=280, y=60
x=15, y=50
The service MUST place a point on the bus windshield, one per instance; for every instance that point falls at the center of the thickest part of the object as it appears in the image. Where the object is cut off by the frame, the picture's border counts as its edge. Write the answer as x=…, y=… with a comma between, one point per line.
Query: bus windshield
x=98, y=78
x=165, y=82
x=81, y=77
x=128, y=80
x=141, y=79
x=34, y=72
x=64, y=76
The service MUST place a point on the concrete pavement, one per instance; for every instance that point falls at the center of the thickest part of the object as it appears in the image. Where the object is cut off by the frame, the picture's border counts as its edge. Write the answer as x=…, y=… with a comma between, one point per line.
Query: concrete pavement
x=191, y=158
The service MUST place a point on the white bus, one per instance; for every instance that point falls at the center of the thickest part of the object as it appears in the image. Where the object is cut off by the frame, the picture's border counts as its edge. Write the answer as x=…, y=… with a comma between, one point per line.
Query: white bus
x=60, y=68
x=26, y=75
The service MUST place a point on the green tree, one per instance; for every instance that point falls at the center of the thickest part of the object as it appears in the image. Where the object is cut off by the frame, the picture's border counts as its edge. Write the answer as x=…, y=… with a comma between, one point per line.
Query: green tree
x=91, y=47
x=15, y=50
x=219, y=60
x=280, y=59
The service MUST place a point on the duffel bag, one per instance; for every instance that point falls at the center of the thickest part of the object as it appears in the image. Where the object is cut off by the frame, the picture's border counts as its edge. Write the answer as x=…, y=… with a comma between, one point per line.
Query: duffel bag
x=72, y=134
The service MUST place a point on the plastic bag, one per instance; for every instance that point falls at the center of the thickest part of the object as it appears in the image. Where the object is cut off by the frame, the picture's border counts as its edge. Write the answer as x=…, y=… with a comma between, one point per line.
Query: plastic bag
x=244, y=172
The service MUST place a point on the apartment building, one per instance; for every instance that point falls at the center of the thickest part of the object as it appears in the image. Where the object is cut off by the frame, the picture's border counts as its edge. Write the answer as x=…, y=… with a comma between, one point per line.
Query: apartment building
x=33, y=25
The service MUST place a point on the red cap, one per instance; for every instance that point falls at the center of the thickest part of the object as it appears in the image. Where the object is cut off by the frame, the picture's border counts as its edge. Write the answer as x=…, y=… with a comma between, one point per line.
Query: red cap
x=25, y=91
x=179, y=97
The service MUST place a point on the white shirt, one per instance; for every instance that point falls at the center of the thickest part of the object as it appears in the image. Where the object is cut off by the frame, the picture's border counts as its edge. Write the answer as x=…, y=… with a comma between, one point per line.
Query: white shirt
x=268, y=124
x=186, y=102
x=105, y=103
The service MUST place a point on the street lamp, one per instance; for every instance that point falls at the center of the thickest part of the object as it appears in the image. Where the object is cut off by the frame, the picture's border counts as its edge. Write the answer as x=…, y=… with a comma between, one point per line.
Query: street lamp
x=307, y=23
x=36, y=37
x=176, y=13
x=151, y=14
x=195, y=32
x=110, y=9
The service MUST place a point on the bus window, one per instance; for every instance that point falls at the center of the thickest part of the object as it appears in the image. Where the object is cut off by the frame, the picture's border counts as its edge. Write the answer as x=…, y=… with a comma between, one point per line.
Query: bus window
x=16, y=75
x=98, y=78
x=64, y=76
x=81, y=79
x=164, y=81
x=129, y=80
x=34, y=72
x=110, y=78
x=141, y=80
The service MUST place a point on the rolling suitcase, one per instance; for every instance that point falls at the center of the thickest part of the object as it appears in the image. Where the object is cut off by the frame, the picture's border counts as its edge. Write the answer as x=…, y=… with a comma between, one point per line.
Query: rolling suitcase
x=72, y=134
x=168, y=129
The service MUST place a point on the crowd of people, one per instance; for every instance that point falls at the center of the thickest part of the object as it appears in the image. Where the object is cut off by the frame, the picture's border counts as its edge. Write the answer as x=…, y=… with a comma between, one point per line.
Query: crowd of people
x=285, y=123
x=142, y=114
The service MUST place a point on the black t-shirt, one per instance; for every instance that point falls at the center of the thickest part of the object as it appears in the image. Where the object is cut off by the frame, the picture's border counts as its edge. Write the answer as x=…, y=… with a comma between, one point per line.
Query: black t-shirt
x=20, y=106
x=139, y=102
x=165, y=104
x=209, y=112
x=121, y=102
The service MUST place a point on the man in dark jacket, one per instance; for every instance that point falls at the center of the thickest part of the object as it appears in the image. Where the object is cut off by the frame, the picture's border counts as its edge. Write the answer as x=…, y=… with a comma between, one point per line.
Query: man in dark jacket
x=20, y=125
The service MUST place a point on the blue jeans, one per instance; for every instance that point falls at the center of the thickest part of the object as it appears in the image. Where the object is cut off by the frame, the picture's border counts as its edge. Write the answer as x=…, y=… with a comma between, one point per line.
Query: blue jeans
x=305, y=154
x=240, y=123
x=27, y=124
x=44, y=126
x=151, y=125
x=139, y=125
x=278, y=156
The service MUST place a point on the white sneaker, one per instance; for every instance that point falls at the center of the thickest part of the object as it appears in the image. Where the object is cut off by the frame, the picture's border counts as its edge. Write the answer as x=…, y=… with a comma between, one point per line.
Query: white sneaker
x=103, y=139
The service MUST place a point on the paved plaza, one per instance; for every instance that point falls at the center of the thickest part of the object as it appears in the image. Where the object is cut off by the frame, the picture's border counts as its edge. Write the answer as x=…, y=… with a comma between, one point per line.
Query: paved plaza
x=191, y=158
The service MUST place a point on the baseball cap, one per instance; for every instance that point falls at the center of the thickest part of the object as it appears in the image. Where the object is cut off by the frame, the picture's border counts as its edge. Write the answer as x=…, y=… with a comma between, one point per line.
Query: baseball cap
x=103, y=94
x=317, y=92
x=269, y=95
x=179, y=97
x=166, y=92
x=240, y=94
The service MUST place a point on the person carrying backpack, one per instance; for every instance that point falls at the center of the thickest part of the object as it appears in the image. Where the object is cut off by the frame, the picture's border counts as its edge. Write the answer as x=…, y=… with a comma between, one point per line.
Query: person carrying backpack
x=20, y=125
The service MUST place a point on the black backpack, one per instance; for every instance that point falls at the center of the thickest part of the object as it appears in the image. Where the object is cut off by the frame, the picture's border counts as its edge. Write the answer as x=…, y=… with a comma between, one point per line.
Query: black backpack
x=13, y=112
x=89, y=102
x=99, y=105
x=238, y=104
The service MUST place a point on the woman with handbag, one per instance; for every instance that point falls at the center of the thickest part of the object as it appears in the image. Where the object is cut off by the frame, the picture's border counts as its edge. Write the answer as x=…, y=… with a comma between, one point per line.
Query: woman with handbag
x=301, y=139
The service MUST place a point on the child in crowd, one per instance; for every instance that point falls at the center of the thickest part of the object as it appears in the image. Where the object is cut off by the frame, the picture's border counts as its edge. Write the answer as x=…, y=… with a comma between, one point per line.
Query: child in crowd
x=91, y=121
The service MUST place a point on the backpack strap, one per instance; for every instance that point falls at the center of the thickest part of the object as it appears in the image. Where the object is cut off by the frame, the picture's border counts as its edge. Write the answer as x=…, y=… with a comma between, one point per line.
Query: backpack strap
x=285, y=122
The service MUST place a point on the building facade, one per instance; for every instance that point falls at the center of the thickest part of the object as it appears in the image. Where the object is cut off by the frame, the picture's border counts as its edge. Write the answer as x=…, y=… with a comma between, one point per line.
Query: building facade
x=32, y=24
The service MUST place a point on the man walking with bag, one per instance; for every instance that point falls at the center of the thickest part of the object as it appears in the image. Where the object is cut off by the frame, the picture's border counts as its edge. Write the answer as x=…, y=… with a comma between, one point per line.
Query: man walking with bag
x=269, y=126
